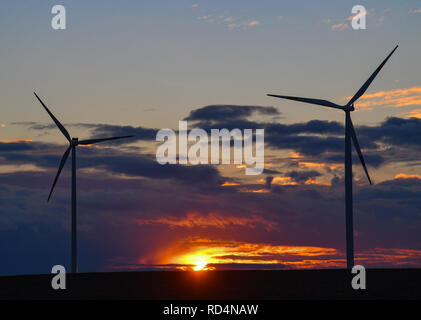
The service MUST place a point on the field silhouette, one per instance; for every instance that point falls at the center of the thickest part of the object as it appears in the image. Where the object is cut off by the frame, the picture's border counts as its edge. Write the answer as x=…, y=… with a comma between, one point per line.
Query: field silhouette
x=218, y=285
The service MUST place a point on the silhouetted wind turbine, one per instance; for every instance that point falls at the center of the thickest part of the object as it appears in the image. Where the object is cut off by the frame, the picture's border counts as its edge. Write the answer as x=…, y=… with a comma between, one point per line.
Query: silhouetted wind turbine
x=73, y=143
x=349, y=135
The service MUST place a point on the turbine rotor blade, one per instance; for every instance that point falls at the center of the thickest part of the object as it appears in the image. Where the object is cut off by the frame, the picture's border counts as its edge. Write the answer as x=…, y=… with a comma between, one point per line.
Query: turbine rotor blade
x=320, y=102
x=357, y=147
x=62, y=162
x=92, y=141
x=58, y=124
x=370, y=80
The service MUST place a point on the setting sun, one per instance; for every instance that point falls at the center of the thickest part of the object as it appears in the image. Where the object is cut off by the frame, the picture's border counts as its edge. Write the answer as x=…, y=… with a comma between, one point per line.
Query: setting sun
x=200, y=264
x=198, y=259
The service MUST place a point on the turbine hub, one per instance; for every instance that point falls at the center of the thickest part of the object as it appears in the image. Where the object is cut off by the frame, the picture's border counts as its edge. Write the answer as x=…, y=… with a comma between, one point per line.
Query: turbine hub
x=351, y=107
x=74, y=142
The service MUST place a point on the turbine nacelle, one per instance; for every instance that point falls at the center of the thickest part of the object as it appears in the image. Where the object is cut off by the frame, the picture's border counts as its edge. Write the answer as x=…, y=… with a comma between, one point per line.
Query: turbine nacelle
x=349, y=107
x=74, y=142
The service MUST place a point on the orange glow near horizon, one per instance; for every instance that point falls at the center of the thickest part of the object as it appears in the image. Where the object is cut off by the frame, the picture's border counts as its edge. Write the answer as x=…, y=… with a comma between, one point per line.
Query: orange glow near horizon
x=284, y=181
x=415, y=113
x=255, y=190
x=206, y=254
x=16, y=141
x=407, y=176
x=200, y=254
x=393, y=98
x=287, y=181
x=295, y=155
x=312, y=181
x=216, y=220
x=229, y=184
x=311, y=164
x=320, y=165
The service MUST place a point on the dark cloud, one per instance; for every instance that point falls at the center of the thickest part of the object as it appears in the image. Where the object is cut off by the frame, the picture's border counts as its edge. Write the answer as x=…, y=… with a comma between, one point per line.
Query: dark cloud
x=323, y=139
x=229, y=112
x=392, y=140
x=307, y=145
x=313, y=126
x=105, y=130
x=302, y=176
x=147, y=166
x=16, y=146
x=396, y=189
x=372, y=158
x=100, y=130
x=270, y=171
x=395, y=131
x=36, y=126
x=113, y=161
x=311, y=138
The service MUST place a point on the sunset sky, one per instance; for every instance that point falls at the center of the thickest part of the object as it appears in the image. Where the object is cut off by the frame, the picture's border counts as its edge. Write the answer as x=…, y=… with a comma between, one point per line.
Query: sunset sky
x=134, y=67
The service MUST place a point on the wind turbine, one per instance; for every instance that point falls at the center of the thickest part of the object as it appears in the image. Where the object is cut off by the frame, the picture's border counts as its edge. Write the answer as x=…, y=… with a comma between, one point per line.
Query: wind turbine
x=73, y=143
x=349, y=135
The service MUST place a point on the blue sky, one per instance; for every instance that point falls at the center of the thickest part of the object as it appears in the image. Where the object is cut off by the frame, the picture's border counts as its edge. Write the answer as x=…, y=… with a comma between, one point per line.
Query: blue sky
x=157, y=56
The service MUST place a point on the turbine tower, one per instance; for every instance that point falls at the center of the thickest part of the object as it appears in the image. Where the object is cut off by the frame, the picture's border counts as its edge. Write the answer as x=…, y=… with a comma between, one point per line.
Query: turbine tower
x=73, y=143
x=349, y=135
